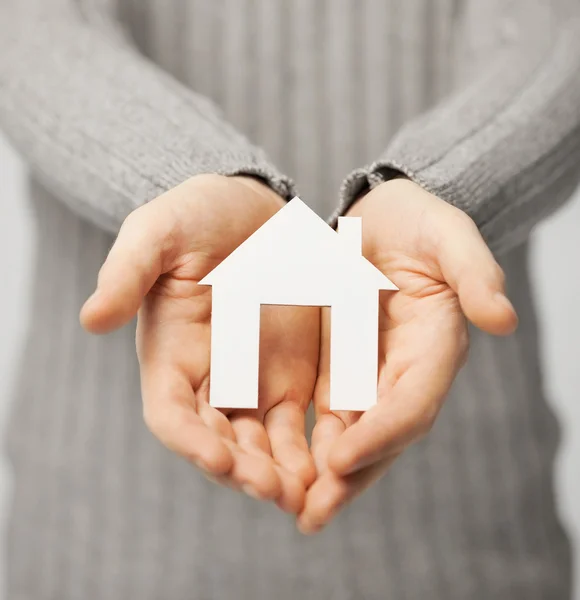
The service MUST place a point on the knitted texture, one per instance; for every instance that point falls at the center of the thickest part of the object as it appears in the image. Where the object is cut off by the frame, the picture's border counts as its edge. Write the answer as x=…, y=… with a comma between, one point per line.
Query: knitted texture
x=112, y=103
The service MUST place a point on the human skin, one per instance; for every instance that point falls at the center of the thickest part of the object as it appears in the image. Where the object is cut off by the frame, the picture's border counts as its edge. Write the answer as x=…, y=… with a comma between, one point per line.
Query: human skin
x=163, y=249
x=432, y=251
x=446, y=275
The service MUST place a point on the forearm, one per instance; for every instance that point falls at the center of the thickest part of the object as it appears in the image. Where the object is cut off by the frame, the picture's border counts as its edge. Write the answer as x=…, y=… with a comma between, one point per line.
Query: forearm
x=505, y=149
x=104, y=128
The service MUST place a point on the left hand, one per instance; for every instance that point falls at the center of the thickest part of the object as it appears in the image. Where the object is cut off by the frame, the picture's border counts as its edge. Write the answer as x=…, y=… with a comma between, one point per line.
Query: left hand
x=436, y=256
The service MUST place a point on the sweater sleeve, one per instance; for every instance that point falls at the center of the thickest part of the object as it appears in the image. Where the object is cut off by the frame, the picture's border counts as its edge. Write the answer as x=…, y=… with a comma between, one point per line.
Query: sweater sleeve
x=506, y=148
x=102, y=127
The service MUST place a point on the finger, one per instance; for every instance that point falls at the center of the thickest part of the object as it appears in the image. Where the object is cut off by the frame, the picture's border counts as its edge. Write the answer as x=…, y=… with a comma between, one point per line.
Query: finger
x=224, y=480
x=169, y=412
x=289, y=343
x=330, y=493
x=389, y=426
x=145, y=244
x=250, y=433
x=253, y=466
x=246, y=438
x=293, y=491
x=215, y=420
x=288, y=493
x=326, y=432
x=329, y=426
x=284, y=424
x=469, y=267
x=409, y=397
x=255, y=474
x=273, y=482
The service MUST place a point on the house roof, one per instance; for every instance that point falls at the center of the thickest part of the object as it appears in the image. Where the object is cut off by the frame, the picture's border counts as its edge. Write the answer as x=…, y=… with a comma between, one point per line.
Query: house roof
x=297, y=235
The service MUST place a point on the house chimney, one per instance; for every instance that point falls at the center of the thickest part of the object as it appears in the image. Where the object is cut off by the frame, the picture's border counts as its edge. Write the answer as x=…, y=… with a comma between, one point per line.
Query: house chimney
x=350, y=231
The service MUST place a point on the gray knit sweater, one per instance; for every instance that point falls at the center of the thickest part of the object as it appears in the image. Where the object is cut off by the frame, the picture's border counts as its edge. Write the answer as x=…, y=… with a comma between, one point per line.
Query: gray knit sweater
x=112, y=103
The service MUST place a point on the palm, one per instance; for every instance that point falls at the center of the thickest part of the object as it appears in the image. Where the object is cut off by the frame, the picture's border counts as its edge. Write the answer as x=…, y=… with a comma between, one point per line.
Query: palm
x=420, y=327
x=422, y=344
x=264, y=450
x=425, y=247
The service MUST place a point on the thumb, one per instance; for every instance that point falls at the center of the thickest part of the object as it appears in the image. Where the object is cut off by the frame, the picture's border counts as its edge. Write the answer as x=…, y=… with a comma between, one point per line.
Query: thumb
x=133, y=265
x=470, y=269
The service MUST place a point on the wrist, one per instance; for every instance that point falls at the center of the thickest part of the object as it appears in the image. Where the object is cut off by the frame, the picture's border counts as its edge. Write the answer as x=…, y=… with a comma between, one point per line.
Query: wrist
x=392, y=190
x=260, y=187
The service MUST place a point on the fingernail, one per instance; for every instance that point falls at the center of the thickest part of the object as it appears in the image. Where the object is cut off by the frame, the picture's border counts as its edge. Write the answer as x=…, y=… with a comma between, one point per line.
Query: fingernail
x=93, y=297
x=200, y=464
x=361, y=464
x=251, y=491
x=504, y=301
x=308, y=528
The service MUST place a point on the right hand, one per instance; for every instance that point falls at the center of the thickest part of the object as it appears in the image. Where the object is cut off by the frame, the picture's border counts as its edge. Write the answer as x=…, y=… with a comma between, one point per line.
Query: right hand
x=163, y=249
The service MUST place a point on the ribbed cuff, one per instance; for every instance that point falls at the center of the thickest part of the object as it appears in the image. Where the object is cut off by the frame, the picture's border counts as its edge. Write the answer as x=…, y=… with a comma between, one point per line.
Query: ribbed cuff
x=267, y=173
x=229, y=161
x=362, y=181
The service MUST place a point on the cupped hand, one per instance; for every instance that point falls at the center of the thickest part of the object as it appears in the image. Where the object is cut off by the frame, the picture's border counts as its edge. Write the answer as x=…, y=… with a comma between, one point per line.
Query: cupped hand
x=445, y=272
x=163, y=249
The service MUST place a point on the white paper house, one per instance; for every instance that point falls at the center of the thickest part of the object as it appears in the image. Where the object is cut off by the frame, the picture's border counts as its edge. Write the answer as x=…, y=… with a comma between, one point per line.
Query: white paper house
x=295, y=258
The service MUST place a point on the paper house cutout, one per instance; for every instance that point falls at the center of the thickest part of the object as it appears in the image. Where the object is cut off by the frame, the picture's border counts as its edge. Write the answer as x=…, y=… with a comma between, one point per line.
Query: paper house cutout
x=295, y=258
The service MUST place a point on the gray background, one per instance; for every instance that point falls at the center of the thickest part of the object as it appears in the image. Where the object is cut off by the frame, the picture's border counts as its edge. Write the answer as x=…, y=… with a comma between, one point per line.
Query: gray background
x=557, y=274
